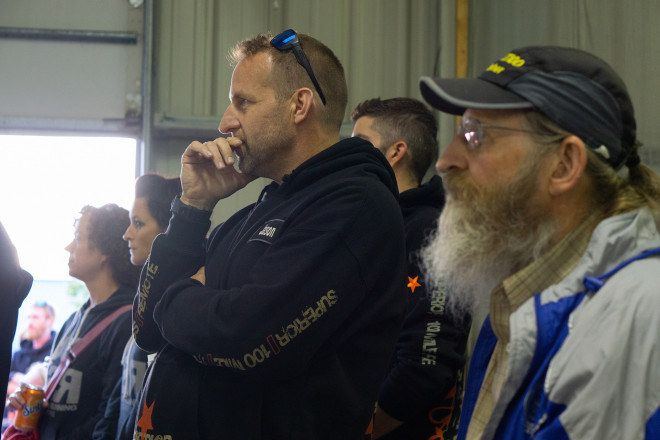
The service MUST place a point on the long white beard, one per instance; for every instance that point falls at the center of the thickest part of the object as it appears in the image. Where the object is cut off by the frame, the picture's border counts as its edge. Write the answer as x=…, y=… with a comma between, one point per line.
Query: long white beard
x=482, y=238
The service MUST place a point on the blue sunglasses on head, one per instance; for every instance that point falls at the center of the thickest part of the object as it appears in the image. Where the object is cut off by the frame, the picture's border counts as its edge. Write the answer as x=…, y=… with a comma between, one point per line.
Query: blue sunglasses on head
x=289, y=40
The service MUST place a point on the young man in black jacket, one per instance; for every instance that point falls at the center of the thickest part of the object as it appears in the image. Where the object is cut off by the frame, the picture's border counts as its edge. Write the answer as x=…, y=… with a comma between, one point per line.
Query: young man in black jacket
x=282, y=324
x=420, y=396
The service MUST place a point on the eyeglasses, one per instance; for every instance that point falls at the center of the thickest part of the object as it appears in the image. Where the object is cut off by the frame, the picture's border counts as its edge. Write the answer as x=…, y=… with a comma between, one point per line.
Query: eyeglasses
x=473, y=131
x=289, y=40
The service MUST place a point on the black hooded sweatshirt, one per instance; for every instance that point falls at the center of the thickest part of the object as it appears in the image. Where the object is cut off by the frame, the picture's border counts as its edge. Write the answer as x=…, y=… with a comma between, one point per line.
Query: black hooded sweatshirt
x=423, y=386
x=292, y=334
x=79, y=401
x=15, y=284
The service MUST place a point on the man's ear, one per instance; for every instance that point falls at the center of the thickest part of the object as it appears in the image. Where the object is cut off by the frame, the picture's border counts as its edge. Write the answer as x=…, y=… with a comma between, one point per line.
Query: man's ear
x=568, y=165
x=396, y=152
x=301, y=103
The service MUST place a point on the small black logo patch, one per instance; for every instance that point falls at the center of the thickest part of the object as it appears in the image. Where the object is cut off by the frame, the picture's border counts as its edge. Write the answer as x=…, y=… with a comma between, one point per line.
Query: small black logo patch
x=268, y=232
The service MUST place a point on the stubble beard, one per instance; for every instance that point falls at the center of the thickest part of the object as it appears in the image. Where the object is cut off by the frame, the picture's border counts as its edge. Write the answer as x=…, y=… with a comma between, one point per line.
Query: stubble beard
x=264, y=160
x=32, y=334
x=262, y=155
x=245, y=163
x=483, y=237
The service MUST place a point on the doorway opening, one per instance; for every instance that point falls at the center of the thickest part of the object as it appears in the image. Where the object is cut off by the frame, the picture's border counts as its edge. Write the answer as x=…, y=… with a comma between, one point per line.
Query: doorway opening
x=45, y=181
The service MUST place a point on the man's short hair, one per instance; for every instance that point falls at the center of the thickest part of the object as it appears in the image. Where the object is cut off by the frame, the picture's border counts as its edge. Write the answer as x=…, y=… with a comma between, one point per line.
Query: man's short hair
x=408, y=120
x=288, y=76
x=50, y=311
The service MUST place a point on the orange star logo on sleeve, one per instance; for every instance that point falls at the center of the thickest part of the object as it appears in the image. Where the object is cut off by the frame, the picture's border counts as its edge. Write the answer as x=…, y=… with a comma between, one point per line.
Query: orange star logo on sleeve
x=145, y=421
x=412, y=283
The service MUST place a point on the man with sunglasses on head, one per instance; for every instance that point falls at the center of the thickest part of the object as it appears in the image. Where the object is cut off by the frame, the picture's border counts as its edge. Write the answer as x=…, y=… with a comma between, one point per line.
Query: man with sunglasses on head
x=36, y=342
x=280, y=325
x=551, y=222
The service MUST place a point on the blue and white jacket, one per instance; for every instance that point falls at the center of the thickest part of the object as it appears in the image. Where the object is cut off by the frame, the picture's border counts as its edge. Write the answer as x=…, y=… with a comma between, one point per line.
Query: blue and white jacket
x=584, y=356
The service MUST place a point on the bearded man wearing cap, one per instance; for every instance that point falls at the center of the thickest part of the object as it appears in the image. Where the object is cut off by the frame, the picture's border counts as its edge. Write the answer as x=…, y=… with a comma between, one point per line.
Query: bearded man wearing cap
x=551, y=225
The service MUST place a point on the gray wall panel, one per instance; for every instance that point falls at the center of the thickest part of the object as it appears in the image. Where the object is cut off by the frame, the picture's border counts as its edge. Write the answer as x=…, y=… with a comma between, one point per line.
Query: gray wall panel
x=192, y=40
x=83, y=79
x=63, y=80
x=625, y=34
x=385, y=45
x=67, y=14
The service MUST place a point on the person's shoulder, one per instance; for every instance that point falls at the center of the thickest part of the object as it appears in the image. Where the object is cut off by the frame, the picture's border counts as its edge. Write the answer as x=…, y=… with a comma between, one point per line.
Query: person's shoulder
x=639, y=281
x=346, y=186
x=123, y=296
x=630, y=298
x=117, y=332
x=25, y=345
x=351, y=162
x=16, y=282
x=421, y=216
x=68, y=321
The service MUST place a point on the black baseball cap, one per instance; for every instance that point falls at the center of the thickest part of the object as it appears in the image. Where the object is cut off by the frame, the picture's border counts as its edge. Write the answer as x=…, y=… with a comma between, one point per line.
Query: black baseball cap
x=575, y=89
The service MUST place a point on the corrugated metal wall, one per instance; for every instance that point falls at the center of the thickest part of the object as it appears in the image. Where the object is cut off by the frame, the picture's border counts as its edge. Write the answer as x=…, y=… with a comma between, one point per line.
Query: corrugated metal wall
x=73, y=64
x=624, y=33
x=385, y=45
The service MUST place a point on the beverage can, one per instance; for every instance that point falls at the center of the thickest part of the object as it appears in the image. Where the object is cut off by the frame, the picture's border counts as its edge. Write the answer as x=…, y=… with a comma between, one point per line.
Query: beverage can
x=28, y=418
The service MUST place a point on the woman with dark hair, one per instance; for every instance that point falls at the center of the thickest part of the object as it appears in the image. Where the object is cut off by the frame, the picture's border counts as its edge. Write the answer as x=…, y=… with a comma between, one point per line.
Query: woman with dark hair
x=149, y=217
x=150, y=214
x=100, y=259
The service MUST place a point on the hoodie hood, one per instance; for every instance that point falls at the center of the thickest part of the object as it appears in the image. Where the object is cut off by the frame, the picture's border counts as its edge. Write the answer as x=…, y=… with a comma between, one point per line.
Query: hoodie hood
x=430, y=194
x=345, y=154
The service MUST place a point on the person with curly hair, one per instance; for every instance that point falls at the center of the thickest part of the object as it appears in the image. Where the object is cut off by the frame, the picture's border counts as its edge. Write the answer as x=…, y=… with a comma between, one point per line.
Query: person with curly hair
x=100, y=258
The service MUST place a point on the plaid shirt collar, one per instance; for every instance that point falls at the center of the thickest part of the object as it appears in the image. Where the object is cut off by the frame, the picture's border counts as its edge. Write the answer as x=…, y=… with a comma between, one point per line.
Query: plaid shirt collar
x=550, y=269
